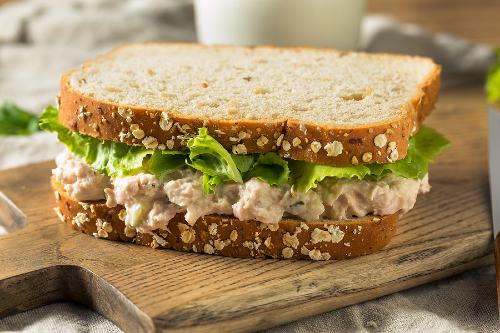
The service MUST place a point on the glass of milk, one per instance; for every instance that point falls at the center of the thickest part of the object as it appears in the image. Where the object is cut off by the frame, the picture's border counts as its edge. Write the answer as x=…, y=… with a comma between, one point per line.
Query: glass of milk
x=318, y=23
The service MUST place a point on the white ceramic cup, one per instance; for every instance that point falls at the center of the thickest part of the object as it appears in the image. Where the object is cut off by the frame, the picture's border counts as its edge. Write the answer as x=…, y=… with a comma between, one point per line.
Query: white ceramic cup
x=319, y=23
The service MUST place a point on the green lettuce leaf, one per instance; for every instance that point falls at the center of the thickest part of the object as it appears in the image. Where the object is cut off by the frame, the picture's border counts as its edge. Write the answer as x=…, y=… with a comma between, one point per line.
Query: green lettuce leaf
x=493, y=82
x=208, y=156
x=270, y=168
x=423, y=147
x=428, y=143
x=244, y=162
x=112, y=158
x=205, y=154
x=308, y=175
x=165, y=162
x=218, y=166
x=211, y=182
x=15, y=121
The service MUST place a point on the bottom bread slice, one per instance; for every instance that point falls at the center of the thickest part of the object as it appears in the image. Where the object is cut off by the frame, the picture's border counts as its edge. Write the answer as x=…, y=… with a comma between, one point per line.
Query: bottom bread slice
x=230, y=237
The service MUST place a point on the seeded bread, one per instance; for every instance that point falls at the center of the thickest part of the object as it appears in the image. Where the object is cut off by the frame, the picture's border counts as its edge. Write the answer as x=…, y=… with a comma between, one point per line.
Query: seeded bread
x=319, y=105
x=228, y=236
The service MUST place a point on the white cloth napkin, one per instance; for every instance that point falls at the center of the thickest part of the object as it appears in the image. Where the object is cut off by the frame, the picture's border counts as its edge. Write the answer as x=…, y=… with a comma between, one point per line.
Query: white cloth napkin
x=35, y=50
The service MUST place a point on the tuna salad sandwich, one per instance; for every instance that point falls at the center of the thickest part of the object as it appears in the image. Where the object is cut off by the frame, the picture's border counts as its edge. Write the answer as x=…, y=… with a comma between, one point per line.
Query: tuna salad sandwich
x=244, y=152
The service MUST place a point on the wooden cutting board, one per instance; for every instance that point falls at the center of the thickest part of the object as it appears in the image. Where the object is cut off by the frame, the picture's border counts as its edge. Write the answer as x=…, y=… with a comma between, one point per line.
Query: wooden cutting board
x=143, y=290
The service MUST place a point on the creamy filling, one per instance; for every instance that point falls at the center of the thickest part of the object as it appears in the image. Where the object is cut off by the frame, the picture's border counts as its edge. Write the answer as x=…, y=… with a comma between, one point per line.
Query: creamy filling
x=78, y=179
x=185, y=189
x=150, y=203
x=142, y=195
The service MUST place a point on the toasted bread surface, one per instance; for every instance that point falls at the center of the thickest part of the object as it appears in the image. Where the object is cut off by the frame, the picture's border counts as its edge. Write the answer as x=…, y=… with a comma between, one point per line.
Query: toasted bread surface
x=319, y=105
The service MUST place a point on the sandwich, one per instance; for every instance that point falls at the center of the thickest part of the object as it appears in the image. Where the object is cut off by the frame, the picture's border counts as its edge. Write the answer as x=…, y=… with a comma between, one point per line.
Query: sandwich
x=244, y=151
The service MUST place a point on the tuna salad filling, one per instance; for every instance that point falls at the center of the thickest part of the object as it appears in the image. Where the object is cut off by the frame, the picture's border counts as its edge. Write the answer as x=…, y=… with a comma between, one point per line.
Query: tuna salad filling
x=150, y=203
x=154, y=183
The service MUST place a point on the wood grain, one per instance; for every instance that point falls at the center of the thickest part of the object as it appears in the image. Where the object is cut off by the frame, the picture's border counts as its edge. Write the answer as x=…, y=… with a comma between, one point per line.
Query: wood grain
x=146, y=290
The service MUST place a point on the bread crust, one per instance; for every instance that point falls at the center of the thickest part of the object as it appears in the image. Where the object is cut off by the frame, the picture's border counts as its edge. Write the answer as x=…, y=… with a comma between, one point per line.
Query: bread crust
x=288, y=137
x=230, y=237
x=105, y=120
x=359, y=145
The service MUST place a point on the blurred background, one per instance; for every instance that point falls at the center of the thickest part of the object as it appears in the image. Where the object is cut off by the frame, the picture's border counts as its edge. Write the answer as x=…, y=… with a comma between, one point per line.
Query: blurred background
x=41, y=39
x=476, y=20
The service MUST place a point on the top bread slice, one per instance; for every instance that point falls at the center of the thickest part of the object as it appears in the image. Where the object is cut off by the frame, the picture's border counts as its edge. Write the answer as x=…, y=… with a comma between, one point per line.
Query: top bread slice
x=319, y=105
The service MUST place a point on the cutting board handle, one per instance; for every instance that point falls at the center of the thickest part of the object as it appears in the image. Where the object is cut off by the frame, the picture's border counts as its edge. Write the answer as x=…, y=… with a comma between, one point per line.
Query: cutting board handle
x=63, y=283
